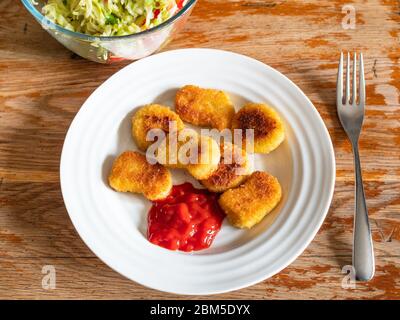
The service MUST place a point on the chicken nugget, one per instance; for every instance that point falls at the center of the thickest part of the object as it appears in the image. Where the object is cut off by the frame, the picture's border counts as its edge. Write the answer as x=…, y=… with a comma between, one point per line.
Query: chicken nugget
x=233, y=168
x=204, y=107
x=209, y=156
x=169, y=150
x=132, y=173
x=268, y=127
x=249, y=203
x=152, y=116
x=199, y=155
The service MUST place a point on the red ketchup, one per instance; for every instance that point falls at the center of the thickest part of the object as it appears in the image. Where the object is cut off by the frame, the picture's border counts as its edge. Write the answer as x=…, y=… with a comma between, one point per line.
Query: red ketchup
x=187, y=220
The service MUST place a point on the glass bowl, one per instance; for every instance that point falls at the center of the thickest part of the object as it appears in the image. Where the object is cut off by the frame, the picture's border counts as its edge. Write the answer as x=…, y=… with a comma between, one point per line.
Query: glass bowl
x=115, y=48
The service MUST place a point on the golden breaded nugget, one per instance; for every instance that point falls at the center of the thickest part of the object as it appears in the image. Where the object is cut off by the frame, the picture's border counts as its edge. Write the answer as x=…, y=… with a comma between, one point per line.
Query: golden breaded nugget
x=152, y=116
x=249, y=203
x=204, y=107
x=209, y=156
x=132, y=173
x=169, y=151
x=233, y=168
x=268, y=128
x=199, y=155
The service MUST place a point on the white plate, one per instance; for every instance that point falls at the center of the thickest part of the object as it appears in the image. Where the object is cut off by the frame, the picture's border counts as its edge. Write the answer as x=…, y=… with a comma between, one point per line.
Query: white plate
x=113, y=225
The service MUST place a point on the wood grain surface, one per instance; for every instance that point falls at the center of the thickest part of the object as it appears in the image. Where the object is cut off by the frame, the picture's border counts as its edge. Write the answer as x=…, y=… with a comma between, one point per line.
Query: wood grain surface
x=43, y=85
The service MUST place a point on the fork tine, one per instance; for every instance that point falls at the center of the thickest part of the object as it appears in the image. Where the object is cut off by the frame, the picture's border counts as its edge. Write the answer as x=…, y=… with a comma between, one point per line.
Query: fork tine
x=362, y=82
x=354, y=95
x=339, y=84
x=347, y=88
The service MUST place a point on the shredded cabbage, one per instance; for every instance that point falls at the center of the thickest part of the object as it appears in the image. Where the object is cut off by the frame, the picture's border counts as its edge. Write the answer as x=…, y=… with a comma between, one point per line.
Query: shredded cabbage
x=110, y=17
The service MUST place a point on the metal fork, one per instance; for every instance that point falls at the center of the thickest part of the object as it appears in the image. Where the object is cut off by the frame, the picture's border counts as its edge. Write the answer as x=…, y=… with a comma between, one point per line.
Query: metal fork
x=351, y=115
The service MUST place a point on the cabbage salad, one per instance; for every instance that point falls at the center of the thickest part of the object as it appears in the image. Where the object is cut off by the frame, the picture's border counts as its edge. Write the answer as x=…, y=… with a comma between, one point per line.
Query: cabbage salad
x=110, y=17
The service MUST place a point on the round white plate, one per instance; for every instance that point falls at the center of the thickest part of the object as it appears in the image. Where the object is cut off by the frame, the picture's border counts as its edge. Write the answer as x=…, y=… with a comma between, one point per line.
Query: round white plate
x=113, y=224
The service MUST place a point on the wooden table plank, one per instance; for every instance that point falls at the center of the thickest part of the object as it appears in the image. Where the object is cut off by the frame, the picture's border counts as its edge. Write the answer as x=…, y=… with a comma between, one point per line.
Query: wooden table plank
x=310, y=278
x=43, y=85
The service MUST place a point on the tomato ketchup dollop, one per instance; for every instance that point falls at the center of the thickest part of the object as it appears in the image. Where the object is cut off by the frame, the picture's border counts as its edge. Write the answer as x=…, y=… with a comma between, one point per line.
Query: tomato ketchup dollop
x=187, y=220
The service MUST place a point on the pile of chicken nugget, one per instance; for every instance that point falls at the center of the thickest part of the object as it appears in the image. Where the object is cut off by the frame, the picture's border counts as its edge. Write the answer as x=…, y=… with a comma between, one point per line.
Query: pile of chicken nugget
x=245, y=196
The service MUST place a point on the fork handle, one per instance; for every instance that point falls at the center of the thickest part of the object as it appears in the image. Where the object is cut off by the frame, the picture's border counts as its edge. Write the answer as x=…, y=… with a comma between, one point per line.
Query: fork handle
x=363, y=252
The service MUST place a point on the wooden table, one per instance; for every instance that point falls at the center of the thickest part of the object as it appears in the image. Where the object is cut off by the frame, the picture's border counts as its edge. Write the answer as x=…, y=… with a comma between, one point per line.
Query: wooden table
x=43, y=85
